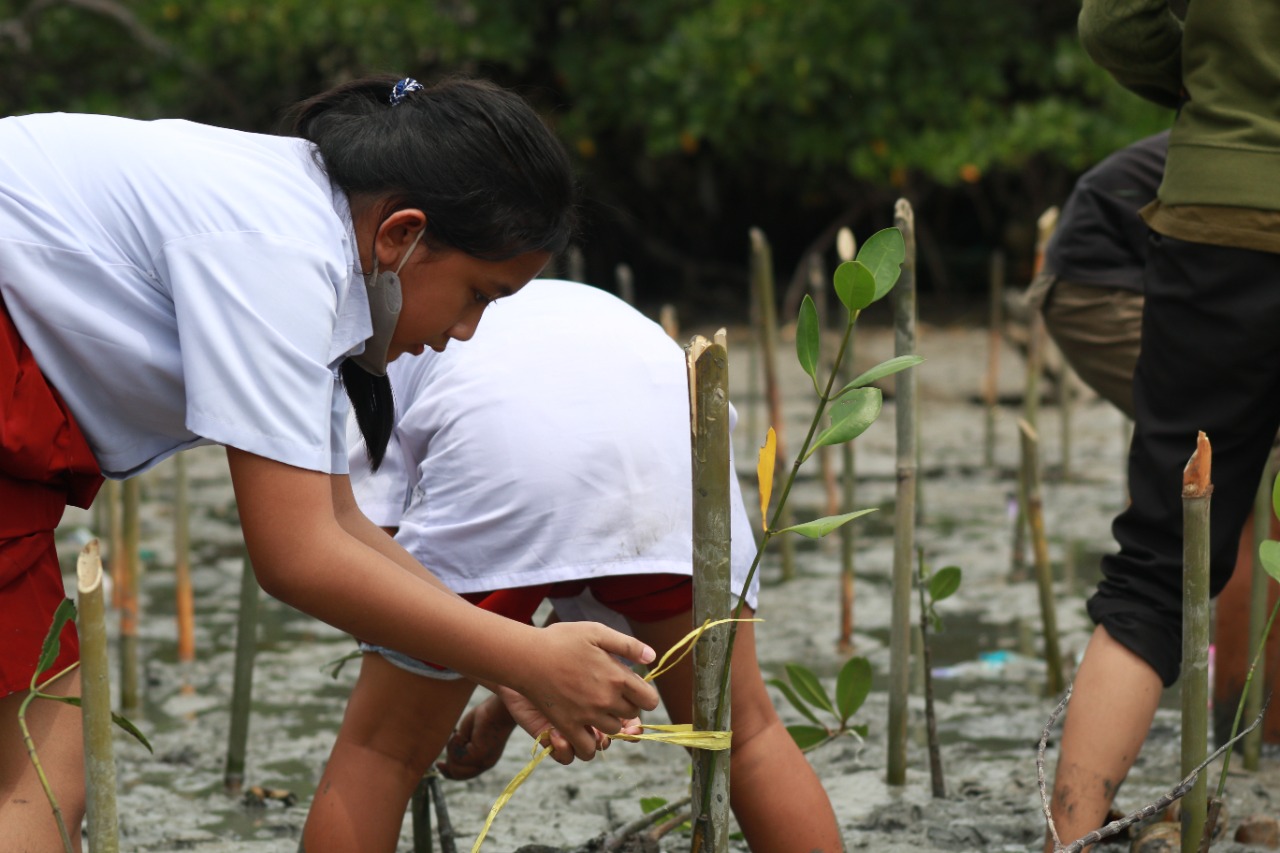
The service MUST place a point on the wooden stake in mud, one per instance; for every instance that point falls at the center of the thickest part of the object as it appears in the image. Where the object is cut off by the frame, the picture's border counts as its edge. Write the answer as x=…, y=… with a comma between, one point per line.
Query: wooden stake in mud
x=242, y=685
x=113, y=533
x=185, y=604
x=708, y=365
x=904, y=521
x=1197, y=488
x=762, y=275
x=995, y=341
x=1066, y=408
x=95, y=698
x=669, y=321
x=1031, y=500
x=846, y=249
x=128, y=584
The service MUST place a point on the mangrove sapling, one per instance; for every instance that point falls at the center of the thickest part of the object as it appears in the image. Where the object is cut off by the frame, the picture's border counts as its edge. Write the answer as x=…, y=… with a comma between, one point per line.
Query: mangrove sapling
x=818, y=290
x=49, y=651
x=242, y=683
x=846, y=248
x=762, y=276
x=933, y=588
x=904, y=525
x=1031, y=501
x=858, y=283
x=1197, y=489
x=806, y=694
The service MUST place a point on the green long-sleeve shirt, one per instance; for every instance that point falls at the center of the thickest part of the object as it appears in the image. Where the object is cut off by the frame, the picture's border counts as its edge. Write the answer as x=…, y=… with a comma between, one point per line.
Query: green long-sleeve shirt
x=1225, y=145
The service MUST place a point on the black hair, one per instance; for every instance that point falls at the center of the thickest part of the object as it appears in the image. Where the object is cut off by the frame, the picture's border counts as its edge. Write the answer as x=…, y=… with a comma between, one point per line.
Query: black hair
x=491, y=177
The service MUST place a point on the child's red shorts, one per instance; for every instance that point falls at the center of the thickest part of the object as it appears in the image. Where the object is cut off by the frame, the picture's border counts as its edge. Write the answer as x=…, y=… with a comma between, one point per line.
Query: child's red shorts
x=45, y=464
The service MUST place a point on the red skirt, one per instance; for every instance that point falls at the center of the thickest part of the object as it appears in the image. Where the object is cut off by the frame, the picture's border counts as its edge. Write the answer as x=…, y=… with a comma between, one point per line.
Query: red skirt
x=45, y=464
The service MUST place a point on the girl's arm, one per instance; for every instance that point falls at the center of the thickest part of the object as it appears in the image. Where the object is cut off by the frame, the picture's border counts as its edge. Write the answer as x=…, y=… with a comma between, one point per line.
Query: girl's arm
x=311, y=549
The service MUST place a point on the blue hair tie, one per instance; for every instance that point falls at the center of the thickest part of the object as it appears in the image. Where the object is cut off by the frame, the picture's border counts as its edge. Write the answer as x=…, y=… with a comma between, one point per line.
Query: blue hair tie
x=403, y=88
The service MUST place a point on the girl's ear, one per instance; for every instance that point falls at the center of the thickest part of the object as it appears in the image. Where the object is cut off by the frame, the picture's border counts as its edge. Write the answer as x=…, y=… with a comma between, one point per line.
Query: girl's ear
x=396, y=233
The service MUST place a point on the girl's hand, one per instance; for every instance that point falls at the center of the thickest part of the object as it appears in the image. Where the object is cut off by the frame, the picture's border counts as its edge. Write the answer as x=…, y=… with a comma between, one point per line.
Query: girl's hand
x=478, y=741
x=572, y=680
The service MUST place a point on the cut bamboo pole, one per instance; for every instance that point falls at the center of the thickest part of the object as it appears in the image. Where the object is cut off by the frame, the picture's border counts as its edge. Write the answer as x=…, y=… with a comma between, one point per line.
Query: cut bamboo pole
x=115, y=539
x=904, y=540
x=626, y=283
x=1031, y=499
x=762, y=274
x=846, y=248
x=242, y=685
x=95, y=690
x=1251, y=746
x=669, y=321
x=130, y=700
x=995, y=342
x=708, y=365
x=185, y=598
x=1197, y=489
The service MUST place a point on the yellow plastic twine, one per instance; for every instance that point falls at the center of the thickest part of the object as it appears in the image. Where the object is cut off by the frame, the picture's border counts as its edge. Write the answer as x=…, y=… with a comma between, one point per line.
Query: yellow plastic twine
x=680, y=735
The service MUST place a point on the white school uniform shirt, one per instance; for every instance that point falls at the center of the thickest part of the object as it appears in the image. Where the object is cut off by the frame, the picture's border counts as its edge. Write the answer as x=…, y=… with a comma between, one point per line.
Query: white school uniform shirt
x=181, y=284
x=552, y=446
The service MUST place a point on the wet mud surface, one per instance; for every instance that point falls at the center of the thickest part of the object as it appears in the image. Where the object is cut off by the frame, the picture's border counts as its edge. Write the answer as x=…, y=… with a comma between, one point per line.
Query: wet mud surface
x=988, y=676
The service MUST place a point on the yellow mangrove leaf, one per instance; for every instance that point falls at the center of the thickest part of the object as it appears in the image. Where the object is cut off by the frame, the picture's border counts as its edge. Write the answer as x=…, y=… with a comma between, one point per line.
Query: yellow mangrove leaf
x=764, y=471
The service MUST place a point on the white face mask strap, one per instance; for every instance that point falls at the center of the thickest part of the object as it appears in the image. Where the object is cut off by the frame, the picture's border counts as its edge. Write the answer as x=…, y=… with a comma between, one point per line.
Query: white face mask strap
x=412, y=246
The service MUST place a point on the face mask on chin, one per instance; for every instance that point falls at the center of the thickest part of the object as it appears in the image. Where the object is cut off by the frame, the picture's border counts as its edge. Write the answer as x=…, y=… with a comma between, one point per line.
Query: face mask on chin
x=385, y=302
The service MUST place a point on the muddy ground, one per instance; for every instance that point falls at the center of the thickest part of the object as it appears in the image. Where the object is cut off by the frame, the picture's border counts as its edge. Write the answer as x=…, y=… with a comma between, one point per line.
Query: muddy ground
x=989, y=680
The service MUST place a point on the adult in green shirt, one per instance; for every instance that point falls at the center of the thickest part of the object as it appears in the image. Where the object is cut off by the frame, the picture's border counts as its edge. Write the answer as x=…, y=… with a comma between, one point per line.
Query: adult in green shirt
x=1210, y=358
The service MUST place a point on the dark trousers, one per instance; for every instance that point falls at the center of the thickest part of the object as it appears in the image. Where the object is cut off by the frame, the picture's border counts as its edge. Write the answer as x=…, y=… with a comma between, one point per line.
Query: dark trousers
x=1210, y=362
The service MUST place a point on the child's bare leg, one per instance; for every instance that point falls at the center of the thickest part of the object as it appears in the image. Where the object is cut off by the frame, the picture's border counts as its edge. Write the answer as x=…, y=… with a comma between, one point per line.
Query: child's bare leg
x=25, y=814
x=395, y=725
x=771, y=782
x=1112, y=705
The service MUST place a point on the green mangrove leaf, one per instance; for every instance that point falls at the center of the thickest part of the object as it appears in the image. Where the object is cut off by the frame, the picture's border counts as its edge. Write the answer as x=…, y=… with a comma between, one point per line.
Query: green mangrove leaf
x=809, y=687
x=883, y=254
x=1269, y=551
x=860, y=731
x=121, y=721
x=850, y=418
x=880, y=371
x=807, y=737
x=852, y=686
x=944, y=583
x=808, y=338
x=652, y=804
x=796, y=701
x=855, y=285
x=820, y=527
x=65, y=613
x=1275, y=496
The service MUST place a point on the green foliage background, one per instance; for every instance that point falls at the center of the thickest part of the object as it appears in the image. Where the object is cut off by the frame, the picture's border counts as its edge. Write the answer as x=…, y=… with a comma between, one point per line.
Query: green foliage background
x=692, y=121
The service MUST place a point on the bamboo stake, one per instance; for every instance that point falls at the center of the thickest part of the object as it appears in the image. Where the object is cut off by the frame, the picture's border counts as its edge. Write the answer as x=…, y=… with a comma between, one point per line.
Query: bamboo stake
x=762, y=275
x=1031, y=499
x=905, y=510
x=576, y=264
x=669, y=321
x=708, y=365
x=242, y=685
x=995, y=341
x=95, y=690
x=846, y=248
x=128, y=584
x=1066, y=408
x=1197, y=488
x=185, y=604
x=115, y=540
x=626, y=283
x=1251, y=747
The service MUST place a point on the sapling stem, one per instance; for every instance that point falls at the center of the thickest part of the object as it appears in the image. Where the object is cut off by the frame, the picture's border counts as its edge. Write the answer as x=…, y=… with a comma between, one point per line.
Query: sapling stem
x=35, y=759
x=242, y=684
x=846, y=247
x=936, y=777
x=95, y=691
x=904, y=526
x=708, y=365
x=1197, y=489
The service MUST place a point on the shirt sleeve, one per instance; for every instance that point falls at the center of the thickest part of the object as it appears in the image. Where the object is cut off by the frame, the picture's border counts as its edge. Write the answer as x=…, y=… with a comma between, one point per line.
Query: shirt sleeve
x=1139, y=42
x=256, y=317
